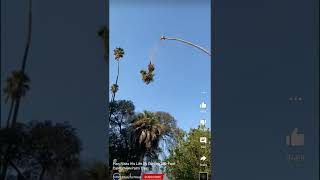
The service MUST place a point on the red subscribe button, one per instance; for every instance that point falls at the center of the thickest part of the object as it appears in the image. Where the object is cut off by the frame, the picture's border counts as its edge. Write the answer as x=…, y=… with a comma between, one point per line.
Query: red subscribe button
x=152, y=177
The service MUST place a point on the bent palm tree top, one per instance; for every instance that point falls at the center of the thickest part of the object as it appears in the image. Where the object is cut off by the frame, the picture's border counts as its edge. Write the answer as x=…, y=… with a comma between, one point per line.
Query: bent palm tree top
x=148, y=76
x=186, y=42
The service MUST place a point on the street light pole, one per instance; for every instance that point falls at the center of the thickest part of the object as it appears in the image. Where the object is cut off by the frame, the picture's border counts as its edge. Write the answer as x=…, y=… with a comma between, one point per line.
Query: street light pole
x=186, y=42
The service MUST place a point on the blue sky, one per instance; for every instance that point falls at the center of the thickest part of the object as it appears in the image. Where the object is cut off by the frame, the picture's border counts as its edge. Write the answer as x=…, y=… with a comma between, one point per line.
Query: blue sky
x=182, y=72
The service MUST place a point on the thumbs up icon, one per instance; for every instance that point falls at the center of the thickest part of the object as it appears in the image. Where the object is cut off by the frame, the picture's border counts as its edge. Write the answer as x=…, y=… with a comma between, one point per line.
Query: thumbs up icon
x=203, y=105
x=295, y=139
x=203, y=122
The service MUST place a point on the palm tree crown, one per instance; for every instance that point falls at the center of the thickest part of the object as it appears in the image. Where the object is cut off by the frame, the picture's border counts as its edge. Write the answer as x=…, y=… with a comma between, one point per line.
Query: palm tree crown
x=118, y=53
x=148, y=130
x=16, y=85
x=114, y=88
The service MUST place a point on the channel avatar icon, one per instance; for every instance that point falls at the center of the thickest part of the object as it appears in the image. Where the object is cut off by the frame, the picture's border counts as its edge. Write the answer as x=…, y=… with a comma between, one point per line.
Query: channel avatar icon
x=295, y=139
x=116, y=176
x=203, y=176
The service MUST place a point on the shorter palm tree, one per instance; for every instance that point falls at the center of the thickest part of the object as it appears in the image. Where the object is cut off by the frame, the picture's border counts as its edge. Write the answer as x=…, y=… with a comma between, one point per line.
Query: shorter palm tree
x=17, y=86
x=147, y=131
x=114, y=88
x=12, y=89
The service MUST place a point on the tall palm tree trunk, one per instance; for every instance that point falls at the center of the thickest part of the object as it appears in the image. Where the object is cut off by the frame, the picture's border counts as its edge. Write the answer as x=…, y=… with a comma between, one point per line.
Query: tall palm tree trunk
x=141, y=158
x=24, y=63
x=117, y=78
x=17, y=103
x=26, y=51
x=4, y=168
x=114, y=93
x=10, y=112
x=43, y=170
x=15, y=112
x=20, y=175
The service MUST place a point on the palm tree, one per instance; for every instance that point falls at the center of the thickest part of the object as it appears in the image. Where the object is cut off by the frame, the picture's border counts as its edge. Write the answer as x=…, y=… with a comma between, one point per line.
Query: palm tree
x=114, y=88
x=147, y=77
x=16, y=104
x=24, y=63
x=118, y=54
x=13, y=89
x=147, y=131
